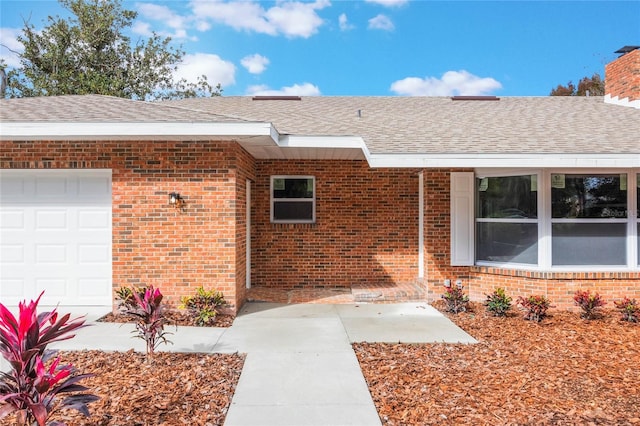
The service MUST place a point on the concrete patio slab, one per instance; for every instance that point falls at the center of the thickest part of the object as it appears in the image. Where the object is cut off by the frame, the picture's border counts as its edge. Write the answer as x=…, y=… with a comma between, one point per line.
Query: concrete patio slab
x=399, y=323
x=283, y=334
x=251, y=311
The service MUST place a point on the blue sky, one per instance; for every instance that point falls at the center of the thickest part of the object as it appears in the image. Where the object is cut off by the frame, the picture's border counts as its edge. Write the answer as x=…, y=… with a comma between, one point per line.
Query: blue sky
x=376, y=47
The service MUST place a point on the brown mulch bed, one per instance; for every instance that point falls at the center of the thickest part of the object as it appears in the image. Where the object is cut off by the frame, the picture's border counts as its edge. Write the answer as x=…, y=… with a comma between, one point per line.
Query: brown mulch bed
x=173, y=389
x=175, y=317
x=562, y=371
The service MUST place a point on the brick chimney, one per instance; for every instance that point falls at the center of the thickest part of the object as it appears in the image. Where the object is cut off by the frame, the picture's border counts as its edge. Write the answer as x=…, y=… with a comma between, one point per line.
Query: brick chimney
x=622, y=78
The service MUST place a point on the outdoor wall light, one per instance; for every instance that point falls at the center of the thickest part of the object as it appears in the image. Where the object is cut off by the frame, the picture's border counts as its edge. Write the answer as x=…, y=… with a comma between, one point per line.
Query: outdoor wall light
x=176, y=200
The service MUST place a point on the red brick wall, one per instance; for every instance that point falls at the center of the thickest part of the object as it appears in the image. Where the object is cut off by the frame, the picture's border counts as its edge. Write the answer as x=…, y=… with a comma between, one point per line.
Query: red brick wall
x=437, y=231
x=622, y=76
x=480, y=281
x=366, y=229
x=154, y=243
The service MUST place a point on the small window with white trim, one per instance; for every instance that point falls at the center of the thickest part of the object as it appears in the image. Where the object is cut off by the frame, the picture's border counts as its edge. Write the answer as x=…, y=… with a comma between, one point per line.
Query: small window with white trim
x=293, y=199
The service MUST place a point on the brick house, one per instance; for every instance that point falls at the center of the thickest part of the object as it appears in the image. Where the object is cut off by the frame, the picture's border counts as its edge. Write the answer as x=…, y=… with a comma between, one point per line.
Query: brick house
x=383, y=198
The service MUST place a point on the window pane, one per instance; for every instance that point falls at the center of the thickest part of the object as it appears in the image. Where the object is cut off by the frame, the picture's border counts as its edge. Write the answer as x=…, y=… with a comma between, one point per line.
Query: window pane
x=507, y=242
x=292, y=188
x=292, y=210
x=588, y=196
x=589, y=243
x=507, y=197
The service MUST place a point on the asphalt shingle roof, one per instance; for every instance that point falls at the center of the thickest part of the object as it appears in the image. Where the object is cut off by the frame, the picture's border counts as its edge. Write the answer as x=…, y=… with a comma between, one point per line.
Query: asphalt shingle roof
x=417, y=125
x=388, y=125
x=100, y=109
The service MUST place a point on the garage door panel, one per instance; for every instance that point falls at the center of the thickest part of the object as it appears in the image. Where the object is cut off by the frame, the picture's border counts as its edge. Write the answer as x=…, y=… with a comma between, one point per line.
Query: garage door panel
x=51, y=219
x=12, y=187
x=51, y=254
x=56, y=236
x=93, y=254
x=52, y=187
x=94, y=187
x=89, y=288
x=57, y=289
x=11, y=254
x=12, y=219
x=90, y=219
x=12, y=289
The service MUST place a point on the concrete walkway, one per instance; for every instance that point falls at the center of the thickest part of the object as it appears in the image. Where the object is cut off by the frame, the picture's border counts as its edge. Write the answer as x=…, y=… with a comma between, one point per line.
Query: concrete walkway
x=300, y=368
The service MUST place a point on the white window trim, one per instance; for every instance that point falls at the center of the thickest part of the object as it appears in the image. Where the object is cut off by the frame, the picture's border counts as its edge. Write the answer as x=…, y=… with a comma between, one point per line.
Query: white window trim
x=538, y=220
x=545, y=221
x=297, y=200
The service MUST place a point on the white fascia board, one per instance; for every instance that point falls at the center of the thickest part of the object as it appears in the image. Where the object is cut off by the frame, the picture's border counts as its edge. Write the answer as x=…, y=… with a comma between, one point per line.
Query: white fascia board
x=105, y=130
x=504, y=160
x=335, y=142
x=291, y=141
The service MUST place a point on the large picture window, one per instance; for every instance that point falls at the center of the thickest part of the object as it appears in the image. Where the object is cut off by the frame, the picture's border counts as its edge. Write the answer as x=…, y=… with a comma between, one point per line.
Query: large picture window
x=293, y=199
x=588, y=219
x=507, y=219
x=564, y=220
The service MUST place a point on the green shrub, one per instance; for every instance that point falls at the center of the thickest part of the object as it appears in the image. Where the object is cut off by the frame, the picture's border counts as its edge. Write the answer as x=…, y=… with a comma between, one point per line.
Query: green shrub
x=535, y=306
x=455, y=299
x=589, y=303
x=126, y=300
x=204, y=305
x=498, y=303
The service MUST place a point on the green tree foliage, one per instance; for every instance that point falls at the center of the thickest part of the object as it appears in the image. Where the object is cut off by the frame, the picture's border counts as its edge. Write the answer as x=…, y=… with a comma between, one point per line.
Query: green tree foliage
x=89, y=53
x=593, y=84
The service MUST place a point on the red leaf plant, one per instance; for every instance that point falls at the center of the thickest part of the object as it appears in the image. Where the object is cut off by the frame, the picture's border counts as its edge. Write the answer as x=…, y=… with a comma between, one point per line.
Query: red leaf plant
x=455, y=299
x=589, y=303
x=30, y=390
x=148, y=311
x=535, y=307
x=629, y=309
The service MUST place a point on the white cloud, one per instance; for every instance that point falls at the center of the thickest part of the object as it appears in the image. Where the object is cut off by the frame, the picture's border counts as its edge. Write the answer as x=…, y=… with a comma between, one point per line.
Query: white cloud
x=10, y=44
x=344, y=23
x=289, y=18
x=215, y=68
x=389, y=3
x=202, y=25
x=157, y=12
x=142, y=28
x=452, y=83
x=304, y=89
x=381, y=22
x=164, y=15
x=255, y=64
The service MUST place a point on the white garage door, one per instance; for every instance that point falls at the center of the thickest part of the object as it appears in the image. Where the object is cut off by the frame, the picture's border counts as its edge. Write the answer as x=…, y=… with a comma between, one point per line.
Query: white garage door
x=55, y=235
